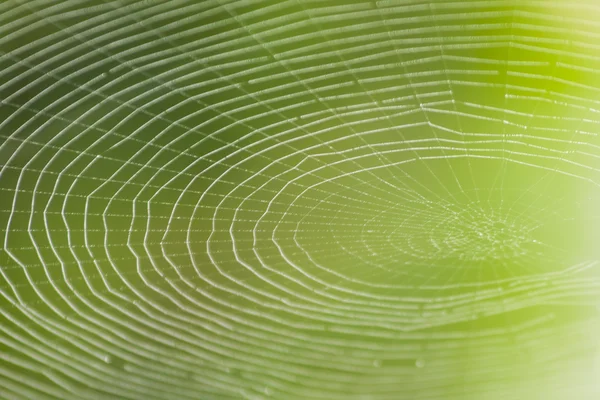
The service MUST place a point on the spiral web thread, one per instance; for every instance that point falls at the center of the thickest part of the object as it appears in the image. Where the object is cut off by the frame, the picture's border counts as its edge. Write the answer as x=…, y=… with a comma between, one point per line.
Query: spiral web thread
x=299, y=199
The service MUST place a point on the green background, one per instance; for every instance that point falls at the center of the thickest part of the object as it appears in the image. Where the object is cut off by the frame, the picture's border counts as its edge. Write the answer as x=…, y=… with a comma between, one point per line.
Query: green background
x=299, y=199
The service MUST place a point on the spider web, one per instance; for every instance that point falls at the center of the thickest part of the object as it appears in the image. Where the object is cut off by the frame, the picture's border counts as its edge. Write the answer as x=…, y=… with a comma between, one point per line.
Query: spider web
x=299, y=199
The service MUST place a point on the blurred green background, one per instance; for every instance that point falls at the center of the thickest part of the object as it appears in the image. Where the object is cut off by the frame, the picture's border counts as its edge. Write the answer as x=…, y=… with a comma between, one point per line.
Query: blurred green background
x=299, y=199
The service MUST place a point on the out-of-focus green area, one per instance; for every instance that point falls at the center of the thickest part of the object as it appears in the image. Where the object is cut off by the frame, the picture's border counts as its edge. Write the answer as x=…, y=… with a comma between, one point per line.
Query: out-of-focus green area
x=299, y=200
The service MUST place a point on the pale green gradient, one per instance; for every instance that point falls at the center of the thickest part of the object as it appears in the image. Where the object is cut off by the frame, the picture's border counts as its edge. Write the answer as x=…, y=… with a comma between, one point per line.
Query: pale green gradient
x=299, y=200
